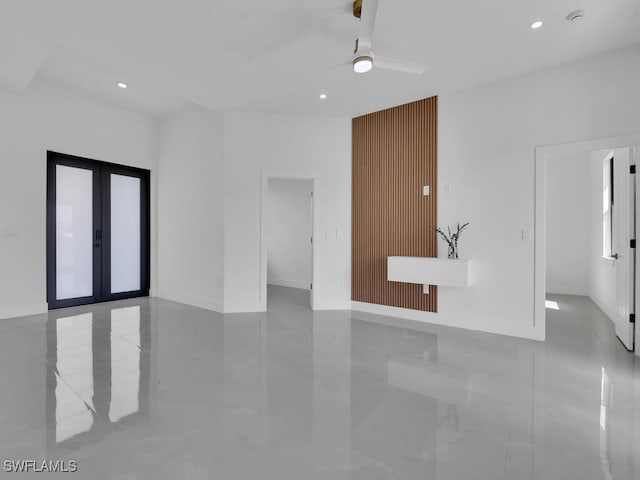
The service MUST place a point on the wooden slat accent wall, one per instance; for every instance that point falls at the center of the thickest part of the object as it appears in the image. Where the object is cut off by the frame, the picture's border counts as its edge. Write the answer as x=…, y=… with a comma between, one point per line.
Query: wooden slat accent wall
x=395, y=153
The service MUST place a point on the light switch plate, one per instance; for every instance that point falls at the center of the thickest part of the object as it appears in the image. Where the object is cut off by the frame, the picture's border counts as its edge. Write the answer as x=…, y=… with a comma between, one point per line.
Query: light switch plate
x=425, y=190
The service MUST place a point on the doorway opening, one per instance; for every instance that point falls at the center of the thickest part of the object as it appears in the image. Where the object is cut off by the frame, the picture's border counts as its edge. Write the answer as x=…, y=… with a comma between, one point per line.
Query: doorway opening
x=586, y=229
x=98, y=231
x=288, y=241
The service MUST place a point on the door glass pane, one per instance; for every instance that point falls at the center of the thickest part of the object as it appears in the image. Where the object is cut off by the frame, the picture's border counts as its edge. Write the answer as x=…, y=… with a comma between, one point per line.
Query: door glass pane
x=125, y=233
x=74, y=232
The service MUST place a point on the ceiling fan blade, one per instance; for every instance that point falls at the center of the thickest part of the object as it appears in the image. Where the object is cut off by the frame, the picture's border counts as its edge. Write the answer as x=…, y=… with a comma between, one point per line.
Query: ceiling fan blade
x=367, y=23
x=342, y=66
x=398, y=65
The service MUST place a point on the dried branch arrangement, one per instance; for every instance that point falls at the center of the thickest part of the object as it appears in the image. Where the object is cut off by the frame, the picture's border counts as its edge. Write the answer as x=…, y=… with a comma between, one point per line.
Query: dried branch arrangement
x=452, y=238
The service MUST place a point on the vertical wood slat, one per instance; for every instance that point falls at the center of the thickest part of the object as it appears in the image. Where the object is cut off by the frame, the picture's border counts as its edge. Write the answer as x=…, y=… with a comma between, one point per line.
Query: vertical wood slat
x=394, y=153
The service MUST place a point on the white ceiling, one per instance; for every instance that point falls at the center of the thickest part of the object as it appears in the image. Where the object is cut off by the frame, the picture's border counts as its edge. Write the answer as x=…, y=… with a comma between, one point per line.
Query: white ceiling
x=279, y=55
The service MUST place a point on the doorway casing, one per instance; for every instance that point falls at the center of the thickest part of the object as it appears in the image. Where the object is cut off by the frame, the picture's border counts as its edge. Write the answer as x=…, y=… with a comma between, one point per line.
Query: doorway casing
x=542, y=154
x=265, y=177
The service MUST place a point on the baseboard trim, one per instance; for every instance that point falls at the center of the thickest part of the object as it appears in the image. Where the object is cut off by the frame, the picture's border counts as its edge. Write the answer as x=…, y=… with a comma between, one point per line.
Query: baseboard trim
x=289, y=283
x=23, y=310
x=253, y=309
x=438, y=320
x=609, y=313
x=329, y=305
x=579, y=293
x=199, y=302
x=398, y=312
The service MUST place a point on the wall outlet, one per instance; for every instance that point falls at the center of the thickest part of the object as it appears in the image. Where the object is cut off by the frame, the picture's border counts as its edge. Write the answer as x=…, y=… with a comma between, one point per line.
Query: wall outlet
x=425, y=190
x=11, y=233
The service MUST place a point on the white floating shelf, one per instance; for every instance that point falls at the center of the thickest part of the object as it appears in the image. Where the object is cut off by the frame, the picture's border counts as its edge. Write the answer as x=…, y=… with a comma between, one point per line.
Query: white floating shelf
x=429, y=271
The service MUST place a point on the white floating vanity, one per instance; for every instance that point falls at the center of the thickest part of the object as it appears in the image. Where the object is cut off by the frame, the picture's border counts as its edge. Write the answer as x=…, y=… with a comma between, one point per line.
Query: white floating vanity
x=429, y=271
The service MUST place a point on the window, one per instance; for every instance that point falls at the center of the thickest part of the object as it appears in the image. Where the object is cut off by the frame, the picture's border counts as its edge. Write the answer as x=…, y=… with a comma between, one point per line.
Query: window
x=607, y=206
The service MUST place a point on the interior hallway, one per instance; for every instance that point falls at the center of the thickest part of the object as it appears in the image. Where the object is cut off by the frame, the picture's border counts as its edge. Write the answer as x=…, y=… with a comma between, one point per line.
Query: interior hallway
x=148, y=389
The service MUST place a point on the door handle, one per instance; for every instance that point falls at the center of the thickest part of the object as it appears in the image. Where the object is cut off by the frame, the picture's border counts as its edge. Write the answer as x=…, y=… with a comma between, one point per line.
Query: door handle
x=614, y=256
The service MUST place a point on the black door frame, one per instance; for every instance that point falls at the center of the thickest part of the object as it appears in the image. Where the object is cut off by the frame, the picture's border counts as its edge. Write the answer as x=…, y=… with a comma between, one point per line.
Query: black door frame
x=101, y=229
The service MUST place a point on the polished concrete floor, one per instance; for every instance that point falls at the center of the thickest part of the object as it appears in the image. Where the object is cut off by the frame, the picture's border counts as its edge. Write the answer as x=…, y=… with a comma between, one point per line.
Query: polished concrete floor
x=150, y=389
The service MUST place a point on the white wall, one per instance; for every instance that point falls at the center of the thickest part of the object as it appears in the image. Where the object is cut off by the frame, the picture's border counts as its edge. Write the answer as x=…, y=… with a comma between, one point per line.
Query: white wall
x=487, y=145
x=49, y=117
x=190, y=207
x=487, y=141
x=289, y=231
x=305, y=147
x=569, y=233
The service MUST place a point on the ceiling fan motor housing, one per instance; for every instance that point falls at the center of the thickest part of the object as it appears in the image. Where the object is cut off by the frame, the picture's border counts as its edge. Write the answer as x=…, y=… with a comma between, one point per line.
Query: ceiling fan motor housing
x=357, y=8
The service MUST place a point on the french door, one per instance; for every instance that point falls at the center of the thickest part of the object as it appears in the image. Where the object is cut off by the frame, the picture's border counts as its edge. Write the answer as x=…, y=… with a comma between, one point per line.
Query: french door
x=97, y=231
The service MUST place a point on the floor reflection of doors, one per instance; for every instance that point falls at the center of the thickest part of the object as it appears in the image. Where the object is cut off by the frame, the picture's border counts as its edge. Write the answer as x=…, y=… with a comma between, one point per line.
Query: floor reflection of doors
x=97, y=231
x=97, y=372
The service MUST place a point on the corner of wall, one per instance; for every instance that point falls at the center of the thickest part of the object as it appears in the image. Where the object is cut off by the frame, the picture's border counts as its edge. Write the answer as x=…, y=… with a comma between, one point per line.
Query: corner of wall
x=199, y=302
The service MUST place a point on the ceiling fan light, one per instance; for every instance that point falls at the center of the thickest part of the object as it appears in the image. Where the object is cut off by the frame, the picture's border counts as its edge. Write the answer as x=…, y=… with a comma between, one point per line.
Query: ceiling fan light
x=362, y=64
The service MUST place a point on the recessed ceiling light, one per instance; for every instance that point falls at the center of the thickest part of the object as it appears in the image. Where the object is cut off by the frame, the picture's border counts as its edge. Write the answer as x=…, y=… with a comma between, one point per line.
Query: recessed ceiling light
x=122, y=85
x=536, y=25
x=362, y=64
x=323, y=96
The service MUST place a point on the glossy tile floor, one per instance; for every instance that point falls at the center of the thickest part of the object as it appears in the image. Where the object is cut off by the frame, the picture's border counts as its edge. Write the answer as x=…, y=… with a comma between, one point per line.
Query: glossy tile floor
x=150, y=389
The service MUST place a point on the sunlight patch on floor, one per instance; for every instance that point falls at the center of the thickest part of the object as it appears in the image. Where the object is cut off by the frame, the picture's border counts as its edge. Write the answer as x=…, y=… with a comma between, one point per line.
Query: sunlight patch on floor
x=551, y=304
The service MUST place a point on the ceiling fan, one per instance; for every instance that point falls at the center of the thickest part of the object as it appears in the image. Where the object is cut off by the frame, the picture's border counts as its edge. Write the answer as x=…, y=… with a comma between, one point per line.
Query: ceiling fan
x=363, y=58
